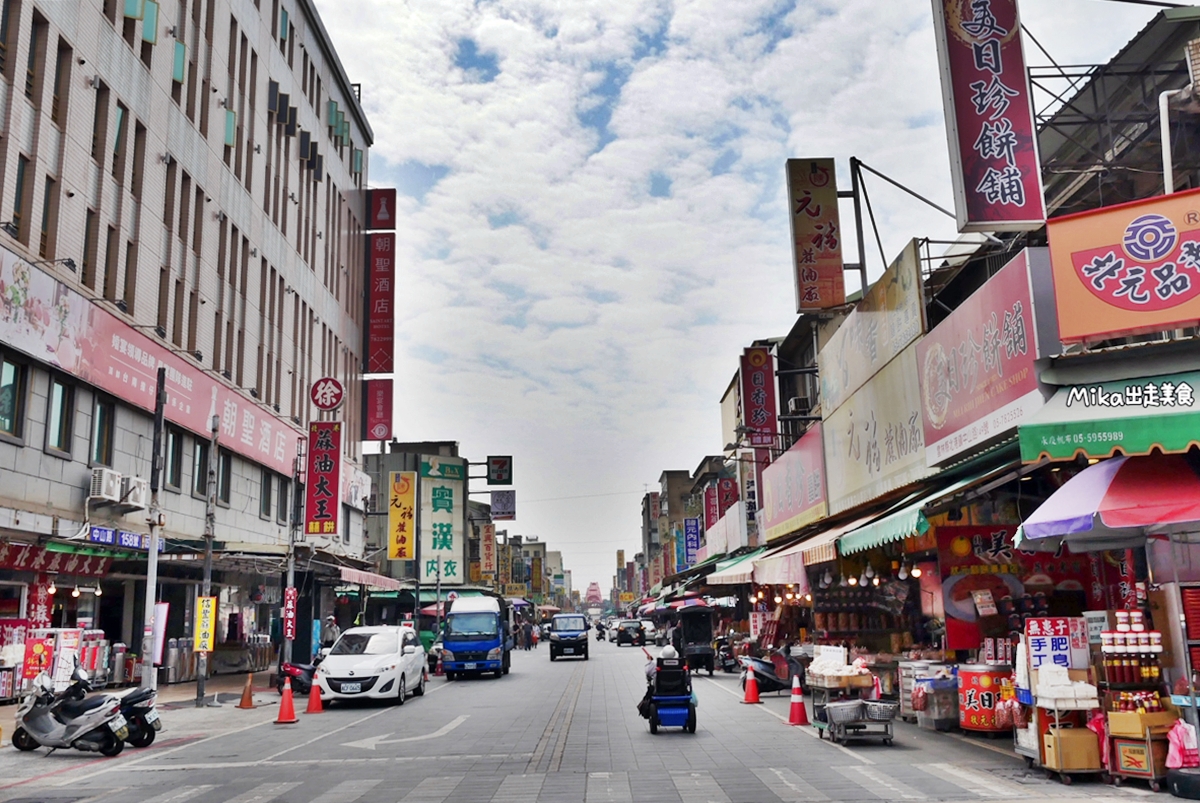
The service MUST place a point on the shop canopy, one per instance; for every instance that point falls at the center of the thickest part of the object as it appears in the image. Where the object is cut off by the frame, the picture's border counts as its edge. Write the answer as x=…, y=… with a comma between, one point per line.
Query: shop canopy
x=549, y=609
x=907, y=518
x=735, y=570
x=1134, y=416
x=788, y=564
x=430, y=594
x=517, y=602
x=1118, y=503
x=370, y=579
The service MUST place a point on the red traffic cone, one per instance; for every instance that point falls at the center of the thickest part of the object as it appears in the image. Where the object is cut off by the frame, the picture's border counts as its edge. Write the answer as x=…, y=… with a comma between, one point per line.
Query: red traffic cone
x=799, y=714
x=287, y=710
x=437, y=670
x=314, y=701
x=751, y=686
x=247, y=700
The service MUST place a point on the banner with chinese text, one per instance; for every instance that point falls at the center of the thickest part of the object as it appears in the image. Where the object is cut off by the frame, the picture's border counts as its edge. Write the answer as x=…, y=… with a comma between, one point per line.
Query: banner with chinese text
x=816, y=236
x=290, y=596
x=402, y=512
x=443, y=509
x=487, y=549
x=989, y=116
x=381, y=297
x=758, y=395
x=205, y=625
x=378, y=398
x=794, y=486
x=323, y=482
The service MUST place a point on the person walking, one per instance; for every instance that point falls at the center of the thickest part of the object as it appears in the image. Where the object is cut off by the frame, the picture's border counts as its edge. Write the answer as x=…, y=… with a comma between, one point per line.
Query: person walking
x=528, y=633
x=329, y=631
x=537, y=635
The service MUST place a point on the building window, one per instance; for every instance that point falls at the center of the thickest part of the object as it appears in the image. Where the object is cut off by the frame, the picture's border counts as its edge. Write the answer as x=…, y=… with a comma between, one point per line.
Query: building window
x=104, y=414
x=173, y=464
x=282, y=511
x=345, y=524
x=224, y=476
x=12, y=397
x=19, y=196
x=59, y=414
x=200, y=468
x=267, y=486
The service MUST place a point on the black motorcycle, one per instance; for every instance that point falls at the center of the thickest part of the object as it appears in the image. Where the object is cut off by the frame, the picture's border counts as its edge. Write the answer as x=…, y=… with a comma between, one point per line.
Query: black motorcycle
x=725, y=658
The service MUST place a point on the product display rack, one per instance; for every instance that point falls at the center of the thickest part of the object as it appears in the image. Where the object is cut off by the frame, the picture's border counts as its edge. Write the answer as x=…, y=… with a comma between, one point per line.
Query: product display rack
x=823, y=693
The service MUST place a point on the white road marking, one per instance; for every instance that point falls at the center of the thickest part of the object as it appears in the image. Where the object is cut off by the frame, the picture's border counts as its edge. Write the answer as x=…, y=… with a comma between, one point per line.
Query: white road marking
x=371, y=742
x=788, y=786
x=984, y=784
x=519, y=788
x=326, y=735
x=346, y=792
x=698, y=787
x=263, y=793
x=432, y=790
x=879, y=784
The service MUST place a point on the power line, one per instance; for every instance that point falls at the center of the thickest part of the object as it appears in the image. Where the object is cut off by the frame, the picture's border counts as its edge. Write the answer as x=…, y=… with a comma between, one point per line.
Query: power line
x=582, y=496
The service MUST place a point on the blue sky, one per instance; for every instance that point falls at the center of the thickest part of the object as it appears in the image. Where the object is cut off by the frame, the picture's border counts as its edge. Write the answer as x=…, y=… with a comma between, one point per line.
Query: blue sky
x=592, y=223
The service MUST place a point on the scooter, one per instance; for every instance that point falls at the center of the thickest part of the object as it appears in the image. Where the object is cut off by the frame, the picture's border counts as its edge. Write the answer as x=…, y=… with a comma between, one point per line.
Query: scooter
x=137, y=706
x=301, y=674
x=599, y=634
x=724, y=657
x=764, y=675
x=94, y=725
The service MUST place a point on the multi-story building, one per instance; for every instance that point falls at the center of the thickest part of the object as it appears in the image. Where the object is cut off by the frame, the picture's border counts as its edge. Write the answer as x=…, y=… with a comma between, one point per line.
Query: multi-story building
x=181, y=186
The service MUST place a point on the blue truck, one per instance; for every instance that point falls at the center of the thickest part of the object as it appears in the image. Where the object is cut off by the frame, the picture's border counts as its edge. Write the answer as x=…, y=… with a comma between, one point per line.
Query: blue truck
x=477, y=637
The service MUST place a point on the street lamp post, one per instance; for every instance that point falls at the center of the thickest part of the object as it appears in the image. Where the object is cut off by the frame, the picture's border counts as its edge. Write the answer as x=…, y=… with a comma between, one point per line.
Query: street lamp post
x=210, y=517
x=149, y=681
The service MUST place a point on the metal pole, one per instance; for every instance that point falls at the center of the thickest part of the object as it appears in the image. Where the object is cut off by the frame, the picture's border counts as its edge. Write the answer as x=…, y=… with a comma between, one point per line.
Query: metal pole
x=1164, y=133
x=438, y=603
x=291, y=550
x=856, y=184
x=149, y=681
x=210, y=519
x=417, y=548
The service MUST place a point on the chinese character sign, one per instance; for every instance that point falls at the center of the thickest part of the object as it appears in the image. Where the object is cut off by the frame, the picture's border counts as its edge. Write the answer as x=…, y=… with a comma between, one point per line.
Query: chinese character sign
x=327, y=393
x=39, y=656
x=712, y=510
x=816, y=236
x=535, y=575
x=379, y=409
x=402, y=512
x=758, y=396
x=1057, y=640
x=443, y=508
x=727, y=496
x=290, y=595
x=381, y=298
x=206, y=624
x=487, y=549
x=322, y=506
x=989, y=116
x=1127, y=269
x=691, y=536
x=794, y=486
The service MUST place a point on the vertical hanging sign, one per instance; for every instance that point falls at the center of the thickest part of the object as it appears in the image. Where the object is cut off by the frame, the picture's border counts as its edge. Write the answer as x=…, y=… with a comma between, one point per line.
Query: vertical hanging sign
x=989, y=116
x=289, y=613
x=442, y=520
x=758, y=396
x=379, y=409
x=402, y=509
x=381, y=296
x=206, y=624
x=321, y=505
x=382, y=209
x=816, y=239
x=487, y=549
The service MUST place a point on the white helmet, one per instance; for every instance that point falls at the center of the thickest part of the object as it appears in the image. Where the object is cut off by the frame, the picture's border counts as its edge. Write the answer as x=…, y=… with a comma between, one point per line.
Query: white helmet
x=668, y=652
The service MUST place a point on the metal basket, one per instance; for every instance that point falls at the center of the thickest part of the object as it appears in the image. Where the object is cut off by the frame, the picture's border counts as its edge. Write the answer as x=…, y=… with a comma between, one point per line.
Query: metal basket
x=844, y=711
x=880, y=711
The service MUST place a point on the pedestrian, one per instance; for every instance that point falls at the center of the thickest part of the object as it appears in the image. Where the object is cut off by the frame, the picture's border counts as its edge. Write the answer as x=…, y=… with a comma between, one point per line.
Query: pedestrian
x=528, y=633
x=537, y=635
x=330, y=631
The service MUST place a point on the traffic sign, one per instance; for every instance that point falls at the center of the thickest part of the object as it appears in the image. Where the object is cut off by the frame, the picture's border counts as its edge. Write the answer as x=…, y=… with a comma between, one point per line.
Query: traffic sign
x=327, y=393
x=499, y=470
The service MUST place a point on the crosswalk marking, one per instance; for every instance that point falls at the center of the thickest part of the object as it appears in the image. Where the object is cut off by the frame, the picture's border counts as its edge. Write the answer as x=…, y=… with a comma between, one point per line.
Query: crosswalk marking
x=608, y=787
x=519, y=788
x=346, y=792
x=984, y=784
x=788, y=786
x=698, y=787
x=433, y=790
x=263, y=793
x=879, y=784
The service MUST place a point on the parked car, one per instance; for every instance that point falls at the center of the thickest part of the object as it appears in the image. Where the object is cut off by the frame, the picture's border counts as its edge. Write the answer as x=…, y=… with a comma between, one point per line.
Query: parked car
x=631, y=632
x=378, y=663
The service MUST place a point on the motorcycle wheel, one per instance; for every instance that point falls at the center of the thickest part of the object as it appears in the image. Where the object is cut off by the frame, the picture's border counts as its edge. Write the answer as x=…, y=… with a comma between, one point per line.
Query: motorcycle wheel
x=112, y=745
x=23, y=741
x=143, y=738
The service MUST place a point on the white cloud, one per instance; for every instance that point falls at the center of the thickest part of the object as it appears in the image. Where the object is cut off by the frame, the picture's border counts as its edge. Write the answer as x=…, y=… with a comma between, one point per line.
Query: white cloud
x=592, y=331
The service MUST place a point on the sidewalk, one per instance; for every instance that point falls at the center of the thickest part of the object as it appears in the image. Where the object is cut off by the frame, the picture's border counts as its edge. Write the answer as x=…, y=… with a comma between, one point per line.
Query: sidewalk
x=228, y=689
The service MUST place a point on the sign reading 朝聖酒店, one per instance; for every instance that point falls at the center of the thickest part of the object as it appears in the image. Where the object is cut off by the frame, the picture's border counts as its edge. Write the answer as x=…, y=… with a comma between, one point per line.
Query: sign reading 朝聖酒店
x=816, y=238
x=794, y=486
x=1128, y=269
x=442, y=519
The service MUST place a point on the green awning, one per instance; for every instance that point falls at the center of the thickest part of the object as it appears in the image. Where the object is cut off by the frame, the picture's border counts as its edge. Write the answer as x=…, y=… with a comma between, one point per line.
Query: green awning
x=1130, y=415
x=907, y=518
x=735, y=570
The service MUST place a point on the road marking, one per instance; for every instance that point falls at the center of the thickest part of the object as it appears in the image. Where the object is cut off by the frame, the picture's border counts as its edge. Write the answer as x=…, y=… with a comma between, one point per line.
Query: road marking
x=179, y=795
x=794, y=788
x=371, y=742
x=263, y=793
x=304, y=762
x=519, y=789
x=879, y=784
x=809, y=731
x=984, y=784
x=326, y=735
x=346, y=792
x=432, y=790
x=698, y=787
x=608, y=787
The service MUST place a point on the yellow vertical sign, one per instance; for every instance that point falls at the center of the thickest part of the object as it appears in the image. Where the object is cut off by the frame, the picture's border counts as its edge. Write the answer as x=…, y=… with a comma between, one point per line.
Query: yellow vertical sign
x=206, y=624
x=402, y=506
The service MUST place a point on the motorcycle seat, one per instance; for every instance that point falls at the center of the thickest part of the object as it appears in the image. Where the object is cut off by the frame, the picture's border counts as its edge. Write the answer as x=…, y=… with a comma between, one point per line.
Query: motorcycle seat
x=75, y=708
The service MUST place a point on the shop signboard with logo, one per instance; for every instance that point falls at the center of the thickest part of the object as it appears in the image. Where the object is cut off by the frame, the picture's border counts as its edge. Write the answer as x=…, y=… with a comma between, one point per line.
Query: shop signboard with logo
x=875, y=442
x=712, y=510
x=504, y=505
x=206, y=624
x=794, y=486
x=402, y=514
x=976, y=368
x=379, y=409
x=881, y=326
x=487, y=549
x=691, y=536
x=1128, y=269
x=989, y=116
x=442, y=490
x=758, y=396
x=727, y=495
x=816, y=234
x=381, y=297
x=290, y=596
x=322, y=492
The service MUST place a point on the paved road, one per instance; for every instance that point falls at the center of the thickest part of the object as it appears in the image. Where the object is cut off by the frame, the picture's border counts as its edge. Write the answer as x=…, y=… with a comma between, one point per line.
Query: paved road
x=565, y=731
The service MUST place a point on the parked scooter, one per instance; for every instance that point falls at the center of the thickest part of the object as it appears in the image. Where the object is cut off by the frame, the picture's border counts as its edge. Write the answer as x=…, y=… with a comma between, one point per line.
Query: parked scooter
x=765, y=675
x=301, y=674
x=725, y=658
x=94, y=725
x=137, y=706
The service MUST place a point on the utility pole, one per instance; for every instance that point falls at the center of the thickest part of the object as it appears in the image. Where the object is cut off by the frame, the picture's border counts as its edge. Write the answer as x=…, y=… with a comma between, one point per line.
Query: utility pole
x=417, y=548
x=297, y=512
x=210, y=520
x=149, y=681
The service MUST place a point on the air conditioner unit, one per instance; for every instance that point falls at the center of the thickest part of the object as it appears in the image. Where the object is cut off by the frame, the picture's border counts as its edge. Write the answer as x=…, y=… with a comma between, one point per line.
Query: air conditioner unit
x=106, y=486
x=135, y=493
x=799, y=405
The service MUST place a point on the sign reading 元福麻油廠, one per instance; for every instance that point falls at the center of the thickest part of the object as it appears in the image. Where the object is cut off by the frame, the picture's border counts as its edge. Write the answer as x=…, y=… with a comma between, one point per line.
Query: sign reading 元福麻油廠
x=442, y=519
x=1127, y=269
x=402, y=510
x=816, y=238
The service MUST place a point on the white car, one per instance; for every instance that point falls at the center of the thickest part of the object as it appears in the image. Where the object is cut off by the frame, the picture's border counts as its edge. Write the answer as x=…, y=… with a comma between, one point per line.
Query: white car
x=377, y=663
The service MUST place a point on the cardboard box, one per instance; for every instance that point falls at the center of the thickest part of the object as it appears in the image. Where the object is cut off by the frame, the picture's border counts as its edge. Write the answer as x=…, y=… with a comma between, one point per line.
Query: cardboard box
x=1131, y=723
x=1130, y=757
x=1071, y=749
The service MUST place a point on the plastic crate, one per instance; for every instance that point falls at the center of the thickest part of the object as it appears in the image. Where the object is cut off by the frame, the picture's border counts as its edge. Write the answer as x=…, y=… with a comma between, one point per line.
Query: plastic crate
x=1024, y=696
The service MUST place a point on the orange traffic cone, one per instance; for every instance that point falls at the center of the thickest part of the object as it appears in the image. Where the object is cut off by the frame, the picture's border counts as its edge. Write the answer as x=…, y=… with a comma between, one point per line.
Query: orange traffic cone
x=751, y=686
x=799, y=714
x=287, y=710
x=437, y=670
x=314, y=701
x=247, y=700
